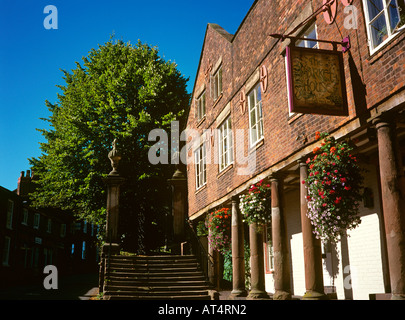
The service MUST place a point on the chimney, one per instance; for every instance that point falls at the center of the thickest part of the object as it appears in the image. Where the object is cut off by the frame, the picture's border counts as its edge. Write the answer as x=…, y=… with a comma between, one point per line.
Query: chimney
x=25, y=185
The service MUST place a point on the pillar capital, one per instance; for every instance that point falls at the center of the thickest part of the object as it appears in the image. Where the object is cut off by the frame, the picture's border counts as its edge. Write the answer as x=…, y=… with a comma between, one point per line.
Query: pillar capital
x=383, y=120
x=302, y=162
x=235, y=199
x=278, y=176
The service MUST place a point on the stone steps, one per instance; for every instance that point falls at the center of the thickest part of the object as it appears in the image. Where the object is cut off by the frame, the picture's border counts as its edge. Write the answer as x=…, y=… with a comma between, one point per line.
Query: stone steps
x=155, y=277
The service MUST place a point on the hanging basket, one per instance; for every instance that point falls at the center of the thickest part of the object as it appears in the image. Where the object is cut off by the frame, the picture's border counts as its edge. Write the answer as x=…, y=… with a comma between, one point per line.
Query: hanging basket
x=219, y=225
x=255, y=206
x=334, y=188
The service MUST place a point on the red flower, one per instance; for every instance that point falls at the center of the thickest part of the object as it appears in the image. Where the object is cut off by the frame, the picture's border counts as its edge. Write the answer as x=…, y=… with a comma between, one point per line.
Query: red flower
x=317, y=135
x=316, y=149
x=347, y=188
x=303, y=181
x=333, y=150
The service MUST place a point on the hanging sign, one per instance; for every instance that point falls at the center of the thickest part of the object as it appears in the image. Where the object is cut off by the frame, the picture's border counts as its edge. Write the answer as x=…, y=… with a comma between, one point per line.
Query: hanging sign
x=316, y=81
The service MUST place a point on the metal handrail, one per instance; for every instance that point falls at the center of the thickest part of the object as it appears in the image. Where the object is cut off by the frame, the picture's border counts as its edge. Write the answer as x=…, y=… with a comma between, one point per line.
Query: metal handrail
x=203, y=257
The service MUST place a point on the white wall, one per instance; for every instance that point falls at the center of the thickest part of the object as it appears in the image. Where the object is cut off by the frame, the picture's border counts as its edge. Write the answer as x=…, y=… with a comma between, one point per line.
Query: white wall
x=356, y=271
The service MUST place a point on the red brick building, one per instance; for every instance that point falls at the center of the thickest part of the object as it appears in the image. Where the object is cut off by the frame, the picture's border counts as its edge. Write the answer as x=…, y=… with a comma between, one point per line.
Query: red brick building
x=32, y=238
x=241, y=84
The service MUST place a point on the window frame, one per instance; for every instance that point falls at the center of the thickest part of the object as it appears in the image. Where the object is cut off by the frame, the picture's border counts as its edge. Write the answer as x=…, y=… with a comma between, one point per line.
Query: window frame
x=10, y=213
x=269, y=253
x=258, y=121
x=37, y=220
x=200, y=160
x=201, y=104
x=49, y=225
x=225, y=150
x=368, y=22
x=25, y=217
x=62, y=232
x=6, y=251
x=217, y=87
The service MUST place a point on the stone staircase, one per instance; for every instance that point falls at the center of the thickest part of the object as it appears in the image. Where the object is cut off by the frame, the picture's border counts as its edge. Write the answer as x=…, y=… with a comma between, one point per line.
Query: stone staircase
x=155, y=278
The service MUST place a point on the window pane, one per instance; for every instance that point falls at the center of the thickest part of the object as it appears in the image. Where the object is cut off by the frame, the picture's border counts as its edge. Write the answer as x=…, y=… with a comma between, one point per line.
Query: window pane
x=253, y=117
x=396, y=12
x=258, y=94
x=374, y=8
x=378, y=30
x=219, y=81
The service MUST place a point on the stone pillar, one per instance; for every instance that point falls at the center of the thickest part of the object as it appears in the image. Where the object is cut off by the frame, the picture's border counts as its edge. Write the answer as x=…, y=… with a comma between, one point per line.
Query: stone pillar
x=113, y=181
x=179, y=206
x=312, y=246
x=238, y=252
x=212, y=265
x=279, y=238
x=393, y=202
x=257, y=280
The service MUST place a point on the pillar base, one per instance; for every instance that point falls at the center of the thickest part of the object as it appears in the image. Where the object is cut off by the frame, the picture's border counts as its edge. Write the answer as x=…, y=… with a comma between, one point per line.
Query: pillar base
x=397, y=296
x=313, y=295
x=237, y=293
x=282, y=295
x=256, y=294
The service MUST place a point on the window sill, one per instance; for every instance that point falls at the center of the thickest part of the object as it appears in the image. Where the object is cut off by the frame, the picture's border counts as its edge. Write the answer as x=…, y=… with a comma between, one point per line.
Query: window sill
x=217, y=101
x=225, y=170
x=294, y=117
x=201, y=121
x=201, y=188
x=257, y=145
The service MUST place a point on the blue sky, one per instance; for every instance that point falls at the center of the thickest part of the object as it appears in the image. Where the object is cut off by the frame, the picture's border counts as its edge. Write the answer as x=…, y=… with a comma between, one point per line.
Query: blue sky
x=31, y=56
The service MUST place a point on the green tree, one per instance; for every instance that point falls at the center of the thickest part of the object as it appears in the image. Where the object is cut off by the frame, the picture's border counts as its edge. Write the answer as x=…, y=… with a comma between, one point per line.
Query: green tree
x=120, y=91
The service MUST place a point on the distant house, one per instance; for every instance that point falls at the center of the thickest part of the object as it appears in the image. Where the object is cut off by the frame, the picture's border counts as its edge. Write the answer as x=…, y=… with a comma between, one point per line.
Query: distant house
x=32, y=238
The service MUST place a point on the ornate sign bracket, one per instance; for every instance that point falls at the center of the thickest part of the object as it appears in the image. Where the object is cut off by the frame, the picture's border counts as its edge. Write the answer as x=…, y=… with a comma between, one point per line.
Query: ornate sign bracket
x=329, y=11
x=345, y=43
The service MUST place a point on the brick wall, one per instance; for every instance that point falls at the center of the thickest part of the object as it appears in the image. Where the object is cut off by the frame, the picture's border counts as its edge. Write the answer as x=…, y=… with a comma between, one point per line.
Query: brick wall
x=242, y=54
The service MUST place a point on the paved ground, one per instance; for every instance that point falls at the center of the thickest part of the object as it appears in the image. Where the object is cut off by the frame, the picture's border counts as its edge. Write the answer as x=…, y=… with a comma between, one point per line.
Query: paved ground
x=74, y=287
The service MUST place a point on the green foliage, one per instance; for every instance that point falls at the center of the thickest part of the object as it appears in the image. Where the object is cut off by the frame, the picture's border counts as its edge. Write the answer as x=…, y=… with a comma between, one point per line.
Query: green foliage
x=227, y=274
x=202, y=230
x=119, y=91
